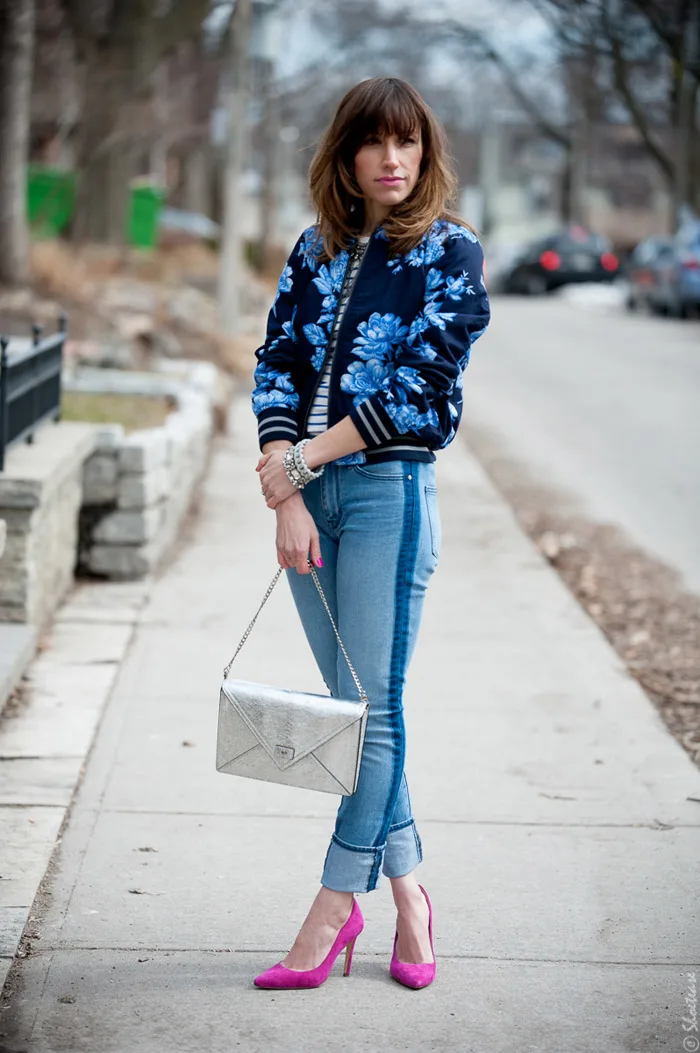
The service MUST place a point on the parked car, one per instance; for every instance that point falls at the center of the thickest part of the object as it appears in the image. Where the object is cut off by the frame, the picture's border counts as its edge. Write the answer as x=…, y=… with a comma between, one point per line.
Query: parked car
x=664, y=273
x=647, y=270
x=684, y=287
x=573, y=255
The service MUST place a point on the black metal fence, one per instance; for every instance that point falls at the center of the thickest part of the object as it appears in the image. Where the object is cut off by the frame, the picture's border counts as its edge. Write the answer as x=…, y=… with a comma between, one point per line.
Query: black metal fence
x=30, y=386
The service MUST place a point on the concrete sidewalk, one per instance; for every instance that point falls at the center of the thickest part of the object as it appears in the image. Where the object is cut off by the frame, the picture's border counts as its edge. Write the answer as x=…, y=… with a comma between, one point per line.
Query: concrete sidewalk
x=561, y=850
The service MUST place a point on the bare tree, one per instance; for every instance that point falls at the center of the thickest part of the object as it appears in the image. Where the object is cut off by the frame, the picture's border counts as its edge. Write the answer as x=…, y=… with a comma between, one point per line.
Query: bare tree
x=237, y=68
x=648, y=53
x=121, y=45
x=16, y=51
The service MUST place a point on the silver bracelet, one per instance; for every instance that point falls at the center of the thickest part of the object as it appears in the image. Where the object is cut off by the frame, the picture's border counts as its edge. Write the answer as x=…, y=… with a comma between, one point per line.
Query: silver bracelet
x=302, y=467
x=298, y=471
x=291, y=469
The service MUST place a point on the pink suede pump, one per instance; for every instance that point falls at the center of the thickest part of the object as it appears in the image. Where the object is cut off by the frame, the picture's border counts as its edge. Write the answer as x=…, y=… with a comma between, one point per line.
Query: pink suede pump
x=280, y=978
x=412, y=974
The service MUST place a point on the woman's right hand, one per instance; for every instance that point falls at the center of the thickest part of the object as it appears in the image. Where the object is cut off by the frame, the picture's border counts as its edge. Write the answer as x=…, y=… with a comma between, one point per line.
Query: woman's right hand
x=297, y=535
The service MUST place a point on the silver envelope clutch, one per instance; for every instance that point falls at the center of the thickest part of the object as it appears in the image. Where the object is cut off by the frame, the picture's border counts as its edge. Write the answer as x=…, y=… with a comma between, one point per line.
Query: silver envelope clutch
x=291, y=737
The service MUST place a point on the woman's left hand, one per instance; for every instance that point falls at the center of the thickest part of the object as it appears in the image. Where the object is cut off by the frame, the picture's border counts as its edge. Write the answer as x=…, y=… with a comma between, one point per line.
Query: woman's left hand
x=275, y=485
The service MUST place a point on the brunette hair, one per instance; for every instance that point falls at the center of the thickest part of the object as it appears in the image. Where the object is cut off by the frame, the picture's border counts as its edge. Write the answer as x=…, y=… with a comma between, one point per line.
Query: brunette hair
x=384, y=106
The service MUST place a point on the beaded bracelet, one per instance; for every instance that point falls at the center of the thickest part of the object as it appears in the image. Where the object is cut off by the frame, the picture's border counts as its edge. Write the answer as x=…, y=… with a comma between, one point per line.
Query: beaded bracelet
x=300, y=461
x=298, y=471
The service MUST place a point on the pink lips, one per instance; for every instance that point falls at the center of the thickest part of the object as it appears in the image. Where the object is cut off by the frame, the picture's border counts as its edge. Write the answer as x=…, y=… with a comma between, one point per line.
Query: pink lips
x=391, y=180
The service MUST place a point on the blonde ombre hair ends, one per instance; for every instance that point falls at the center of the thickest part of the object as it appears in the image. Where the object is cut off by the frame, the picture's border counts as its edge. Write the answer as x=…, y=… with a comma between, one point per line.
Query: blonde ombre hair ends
x=383, y=106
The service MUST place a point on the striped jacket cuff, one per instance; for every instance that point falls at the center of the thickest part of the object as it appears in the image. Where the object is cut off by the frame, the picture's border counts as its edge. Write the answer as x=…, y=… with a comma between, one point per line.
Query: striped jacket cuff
x=277, y=423
x=373, y=422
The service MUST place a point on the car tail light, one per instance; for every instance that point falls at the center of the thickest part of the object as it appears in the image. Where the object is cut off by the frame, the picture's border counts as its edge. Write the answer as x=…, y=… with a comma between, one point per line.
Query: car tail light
x=551, y=261
x=609, y=261
x=691, y=263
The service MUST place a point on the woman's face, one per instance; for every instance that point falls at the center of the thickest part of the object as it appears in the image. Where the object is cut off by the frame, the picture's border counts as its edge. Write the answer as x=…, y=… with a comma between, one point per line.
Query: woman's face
x=387, y=168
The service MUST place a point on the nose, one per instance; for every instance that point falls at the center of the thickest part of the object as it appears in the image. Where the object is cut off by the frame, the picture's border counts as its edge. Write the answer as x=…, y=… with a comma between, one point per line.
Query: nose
x=390, y=153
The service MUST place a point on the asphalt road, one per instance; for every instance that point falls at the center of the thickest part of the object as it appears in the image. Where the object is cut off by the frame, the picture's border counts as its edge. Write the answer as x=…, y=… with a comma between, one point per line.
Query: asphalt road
x=603, y=406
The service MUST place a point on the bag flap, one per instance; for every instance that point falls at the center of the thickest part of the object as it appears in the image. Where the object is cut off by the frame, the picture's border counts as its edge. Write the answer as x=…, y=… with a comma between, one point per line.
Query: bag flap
x=290, y=724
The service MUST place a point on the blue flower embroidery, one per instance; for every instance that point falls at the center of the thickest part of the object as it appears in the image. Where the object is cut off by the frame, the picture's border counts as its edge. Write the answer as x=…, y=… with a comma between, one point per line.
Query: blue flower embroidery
x=274, y=389
x=407, y=379
x=437, y=317
x=330, y=276
x=285, y=282
x=431, y=248
x=364, y=379
x=407, y=417
x=329, y=282
x=379, y=335
x=457, y=287
x=434, y=281
x=288, y=327
x=352, y=458
x=311, y=248
x=317, y=336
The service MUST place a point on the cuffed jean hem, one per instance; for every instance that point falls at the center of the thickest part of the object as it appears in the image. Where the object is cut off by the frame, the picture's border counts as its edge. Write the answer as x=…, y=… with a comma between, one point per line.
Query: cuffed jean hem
x=403, y=852
x=351, y=869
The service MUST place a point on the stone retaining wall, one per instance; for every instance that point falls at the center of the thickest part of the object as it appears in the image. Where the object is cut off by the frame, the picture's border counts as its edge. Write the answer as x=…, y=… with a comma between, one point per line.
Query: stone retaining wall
x=138, y=488
x=40, y=498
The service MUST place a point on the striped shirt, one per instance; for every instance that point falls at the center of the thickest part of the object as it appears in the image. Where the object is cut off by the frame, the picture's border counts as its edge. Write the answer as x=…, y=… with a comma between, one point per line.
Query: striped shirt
x=318, y=414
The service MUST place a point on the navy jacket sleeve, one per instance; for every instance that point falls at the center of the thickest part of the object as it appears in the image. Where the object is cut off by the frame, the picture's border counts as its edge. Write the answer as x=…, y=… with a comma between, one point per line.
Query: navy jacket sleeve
x=422, y=396
x=275, y=399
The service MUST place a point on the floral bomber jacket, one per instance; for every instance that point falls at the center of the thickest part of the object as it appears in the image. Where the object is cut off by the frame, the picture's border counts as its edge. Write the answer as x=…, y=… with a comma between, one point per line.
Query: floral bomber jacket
x=402, y=346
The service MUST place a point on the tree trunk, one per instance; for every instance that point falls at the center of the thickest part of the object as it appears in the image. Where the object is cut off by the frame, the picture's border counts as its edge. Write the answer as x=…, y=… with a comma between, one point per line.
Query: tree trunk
x=99, y=197
x=232, y=234
x=686, y=127
x=16, y=67
x=197, y=195
x=270, y=167
x=578, y=174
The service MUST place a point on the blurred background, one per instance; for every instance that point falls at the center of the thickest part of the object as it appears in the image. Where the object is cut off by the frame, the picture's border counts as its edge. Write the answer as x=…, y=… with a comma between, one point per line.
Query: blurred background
x=124, y=122
x=153, y=165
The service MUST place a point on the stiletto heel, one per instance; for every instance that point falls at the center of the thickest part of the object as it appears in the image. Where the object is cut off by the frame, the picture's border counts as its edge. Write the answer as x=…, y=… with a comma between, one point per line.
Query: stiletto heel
x=348, y=957
x=415, y=974
x=279, y=977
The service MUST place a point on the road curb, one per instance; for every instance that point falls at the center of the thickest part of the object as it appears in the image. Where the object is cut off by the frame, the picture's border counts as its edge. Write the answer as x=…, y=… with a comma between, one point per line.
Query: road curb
x=45, y=744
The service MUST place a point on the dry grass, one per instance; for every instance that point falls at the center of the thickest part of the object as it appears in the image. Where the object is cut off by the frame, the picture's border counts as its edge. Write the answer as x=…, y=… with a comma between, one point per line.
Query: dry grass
x=60, y=272
x=70, y=272
x=132, y=411
x=236, y=354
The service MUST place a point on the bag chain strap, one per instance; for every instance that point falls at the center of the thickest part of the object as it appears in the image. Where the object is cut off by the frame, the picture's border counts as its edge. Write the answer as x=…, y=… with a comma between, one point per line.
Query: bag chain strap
x=317, y=583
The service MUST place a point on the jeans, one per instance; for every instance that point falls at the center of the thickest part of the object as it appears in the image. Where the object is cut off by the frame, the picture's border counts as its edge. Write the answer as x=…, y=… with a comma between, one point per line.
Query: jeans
x=380, y=534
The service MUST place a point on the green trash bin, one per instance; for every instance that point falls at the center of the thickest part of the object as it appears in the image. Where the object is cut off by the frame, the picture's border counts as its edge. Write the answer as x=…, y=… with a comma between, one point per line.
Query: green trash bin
x=144, y=212
x=50, y=200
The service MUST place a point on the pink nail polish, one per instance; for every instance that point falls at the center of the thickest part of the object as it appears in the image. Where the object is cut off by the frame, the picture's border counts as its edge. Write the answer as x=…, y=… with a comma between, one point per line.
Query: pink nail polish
x=320, y=562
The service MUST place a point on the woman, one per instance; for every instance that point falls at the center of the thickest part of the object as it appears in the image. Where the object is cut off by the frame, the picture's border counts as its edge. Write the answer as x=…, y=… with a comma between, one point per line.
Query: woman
x=360, y=378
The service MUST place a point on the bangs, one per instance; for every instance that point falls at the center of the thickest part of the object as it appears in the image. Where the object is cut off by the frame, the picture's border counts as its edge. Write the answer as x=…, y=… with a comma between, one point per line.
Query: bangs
x=387, y=109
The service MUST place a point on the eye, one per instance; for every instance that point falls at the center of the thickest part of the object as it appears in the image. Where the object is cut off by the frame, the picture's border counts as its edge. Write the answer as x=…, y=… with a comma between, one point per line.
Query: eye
x=371, y=140
x=409, y=140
